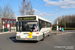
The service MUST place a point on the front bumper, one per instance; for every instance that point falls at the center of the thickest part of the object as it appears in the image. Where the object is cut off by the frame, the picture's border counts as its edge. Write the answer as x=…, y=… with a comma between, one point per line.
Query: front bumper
x=35, y=38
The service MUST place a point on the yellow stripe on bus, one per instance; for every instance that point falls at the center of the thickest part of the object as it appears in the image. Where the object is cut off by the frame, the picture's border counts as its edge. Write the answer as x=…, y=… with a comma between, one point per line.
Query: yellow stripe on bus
x=30, y=34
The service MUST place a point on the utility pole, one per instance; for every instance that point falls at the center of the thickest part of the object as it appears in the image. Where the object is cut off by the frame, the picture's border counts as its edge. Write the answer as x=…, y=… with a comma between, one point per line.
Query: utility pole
x=3, y=25
x=57, y=27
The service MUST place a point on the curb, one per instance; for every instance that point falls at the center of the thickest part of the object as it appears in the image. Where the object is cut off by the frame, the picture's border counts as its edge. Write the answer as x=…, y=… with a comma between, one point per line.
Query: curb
x=6, y=32
x=66, y=33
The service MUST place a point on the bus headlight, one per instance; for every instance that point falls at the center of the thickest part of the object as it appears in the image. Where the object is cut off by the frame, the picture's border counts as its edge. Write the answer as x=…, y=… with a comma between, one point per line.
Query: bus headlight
x=17, y=36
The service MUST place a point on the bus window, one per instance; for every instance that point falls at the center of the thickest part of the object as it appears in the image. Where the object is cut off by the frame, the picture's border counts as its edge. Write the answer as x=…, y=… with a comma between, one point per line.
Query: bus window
x=27, y=26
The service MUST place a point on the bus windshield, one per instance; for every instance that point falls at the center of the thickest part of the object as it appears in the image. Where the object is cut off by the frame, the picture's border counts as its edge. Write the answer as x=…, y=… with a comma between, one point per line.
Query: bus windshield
x=27, y=26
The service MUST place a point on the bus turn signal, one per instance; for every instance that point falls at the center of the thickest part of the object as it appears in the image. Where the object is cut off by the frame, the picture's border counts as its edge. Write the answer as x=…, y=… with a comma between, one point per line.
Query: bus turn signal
x=16, y=33
x=37, y=33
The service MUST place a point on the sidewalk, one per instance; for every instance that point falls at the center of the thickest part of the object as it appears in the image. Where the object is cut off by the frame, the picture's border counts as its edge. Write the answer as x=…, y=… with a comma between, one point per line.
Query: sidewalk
x=7, y=32
x=65, y=32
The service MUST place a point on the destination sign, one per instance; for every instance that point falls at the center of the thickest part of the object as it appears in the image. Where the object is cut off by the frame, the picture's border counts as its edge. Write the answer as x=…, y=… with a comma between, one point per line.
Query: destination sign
x=26, y=18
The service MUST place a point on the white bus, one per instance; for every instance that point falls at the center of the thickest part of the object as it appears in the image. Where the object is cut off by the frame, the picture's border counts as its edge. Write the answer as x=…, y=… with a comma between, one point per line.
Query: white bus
x=32, y=28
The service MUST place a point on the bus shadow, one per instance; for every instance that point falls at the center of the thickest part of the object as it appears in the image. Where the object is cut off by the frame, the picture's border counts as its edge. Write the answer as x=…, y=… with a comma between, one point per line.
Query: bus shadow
x=53, y=33
x=13, y=38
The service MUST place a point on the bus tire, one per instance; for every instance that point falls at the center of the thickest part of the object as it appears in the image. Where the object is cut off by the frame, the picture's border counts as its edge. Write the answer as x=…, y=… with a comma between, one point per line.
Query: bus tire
x=49, y=34
x=43, y=37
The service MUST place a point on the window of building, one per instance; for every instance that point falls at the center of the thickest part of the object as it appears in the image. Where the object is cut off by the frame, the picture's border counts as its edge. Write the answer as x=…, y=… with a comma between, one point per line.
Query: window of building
x=11, y=21
x=6, y=21
x=14, y=22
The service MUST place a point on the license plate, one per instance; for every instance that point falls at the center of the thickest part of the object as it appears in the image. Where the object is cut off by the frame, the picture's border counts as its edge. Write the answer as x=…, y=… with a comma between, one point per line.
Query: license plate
x=26, y=39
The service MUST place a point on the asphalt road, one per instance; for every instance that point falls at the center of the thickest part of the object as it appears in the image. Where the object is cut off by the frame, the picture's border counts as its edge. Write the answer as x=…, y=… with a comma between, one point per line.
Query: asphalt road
x=65, y=41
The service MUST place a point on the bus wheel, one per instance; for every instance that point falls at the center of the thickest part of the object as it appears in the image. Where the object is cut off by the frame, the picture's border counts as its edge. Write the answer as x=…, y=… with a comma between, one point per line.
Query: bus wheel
x=49, y=34
x=43, y=37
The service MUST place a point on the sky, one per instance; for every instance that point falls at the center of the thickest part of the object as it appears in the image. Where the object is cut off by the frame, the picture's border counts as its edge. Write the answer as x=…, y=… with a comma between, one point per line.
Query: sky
x=48, y=9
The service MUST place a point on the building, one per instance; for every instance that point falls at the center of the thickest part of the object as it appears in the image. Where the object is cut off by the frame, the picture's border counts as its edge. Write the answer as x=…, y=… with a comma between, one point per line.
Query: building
x=8, y=23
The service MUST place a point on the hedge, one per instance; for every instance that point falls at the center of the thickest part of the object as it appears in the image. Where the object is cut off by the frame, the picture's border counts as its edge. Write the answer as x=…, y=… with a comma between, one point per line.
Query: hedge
x=65, y=29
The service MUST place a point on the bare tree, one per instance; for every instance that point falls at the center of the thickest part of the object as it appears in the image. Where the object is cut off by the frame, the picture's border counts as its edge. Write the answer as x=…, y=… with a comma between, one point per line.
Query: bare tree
x=22, y=8
x=8, y=12
x=66, y=21
x=31, y=12
x=26, y=8
x=30, y=9
x=58, y=19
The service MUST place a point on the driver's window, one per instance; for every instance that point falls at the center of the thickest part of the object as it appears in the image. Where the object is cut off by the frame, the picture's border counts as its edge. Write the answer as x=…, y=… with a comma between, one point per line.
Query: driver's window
x=17, y=26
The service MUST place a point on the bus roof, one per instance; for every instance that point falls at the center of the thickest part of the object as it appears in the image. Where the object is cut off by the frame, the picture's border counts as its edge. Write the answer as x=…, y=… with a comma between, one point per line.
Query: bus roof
x=36, y=16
